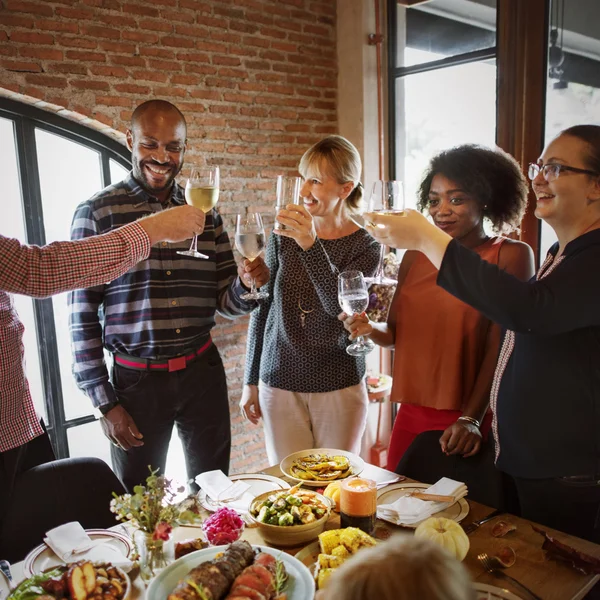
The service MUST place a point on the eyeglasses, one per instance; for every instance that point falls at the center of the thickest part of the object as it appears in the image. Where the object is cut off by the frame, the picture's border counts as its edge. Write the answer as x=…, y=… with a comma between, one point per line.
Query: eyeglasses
x=551, y=171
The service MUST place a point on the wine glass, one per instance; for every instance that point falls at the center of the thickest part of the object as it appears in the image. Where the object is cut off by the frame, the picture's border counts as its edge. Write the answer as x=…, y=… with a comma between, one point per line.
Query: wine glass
x=386, y=198
x=201, y=191
x=250, y=242
x=353, y=297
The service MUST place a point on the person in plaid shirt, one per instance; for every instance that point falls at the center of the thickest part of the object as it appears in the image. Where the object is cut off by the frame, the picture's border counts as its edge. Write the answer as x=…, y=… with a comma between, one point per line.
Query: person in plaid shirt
x=44, y=271
x=156, y=320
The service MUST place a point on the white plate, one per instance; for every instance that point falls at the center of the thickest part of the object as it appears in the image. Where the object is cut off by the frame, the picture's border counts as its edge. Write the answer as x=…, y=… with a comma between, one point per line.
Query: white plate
x=42, y=557
x=4, y=589
x=357, y=464
x=259, y=484
x=384, y=385
x=457, y=512
x=300, y=586
x=491, y=592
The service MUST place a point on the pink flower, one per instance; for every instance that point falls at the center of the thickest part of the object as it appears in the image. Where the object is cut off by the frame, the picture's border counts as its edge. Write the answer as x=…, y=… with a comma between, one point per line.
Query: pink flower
x=162, y=531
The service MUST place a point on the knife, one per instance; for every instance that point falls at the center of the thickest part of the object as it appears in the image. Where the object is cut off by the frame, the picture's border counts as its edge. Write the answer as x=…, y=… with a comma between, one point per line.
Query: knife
x=471, y=527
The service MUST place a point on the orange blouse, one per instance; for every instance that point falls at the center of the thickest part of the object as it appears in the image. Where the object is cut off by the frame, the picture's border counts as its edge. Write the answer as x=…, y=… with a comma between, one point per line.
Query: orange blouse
x=440, y=341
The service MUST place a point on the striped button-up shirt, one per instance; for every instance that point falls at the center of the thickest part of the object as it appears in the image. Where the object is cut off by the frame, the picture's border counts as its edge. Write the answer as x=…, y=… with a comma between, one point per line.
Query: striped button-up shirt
x=40, y=272
x=164, y=307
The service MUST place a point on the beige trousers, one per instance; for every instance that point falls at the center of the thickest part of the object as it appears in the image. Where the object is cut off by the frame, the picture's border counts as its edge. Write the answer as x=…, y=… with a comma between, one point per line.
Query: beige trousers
x=296, y=421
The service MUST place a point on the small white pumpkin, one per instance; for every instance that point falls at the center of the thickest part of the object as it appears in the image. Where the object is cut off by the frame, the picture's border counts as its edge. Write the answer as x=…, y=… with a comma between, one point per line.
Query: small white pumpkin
x=447, y=533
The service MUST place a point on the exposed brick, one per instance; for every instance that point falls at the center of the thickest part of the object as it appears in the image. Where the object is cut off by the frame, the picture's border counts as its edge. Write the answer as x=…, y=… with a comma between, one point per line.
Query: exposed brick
x=101, y=32
x=31, y=38
x=128, y=61
x=76, y=42
x=177, y=42
x=74, y=13
x=175, y=15
x=146, y=10
x=7, y=49
x=119, y=20
x=113, y=101
x=109, y=71
x=69, y=68
x=164, y=65
x=16, y=20
x=131, y=88
x=50, y=25
x=150, y=76
x=85, y=56
x=169, y=91
x=154, y=51
x=88, y=84
x=118, y=47
x=238, y=98
x=158, y=25
x=41, y=53
x=138, y=36
x=35, y=8
x=197, y=31
x=47, y=81
x=21, y=66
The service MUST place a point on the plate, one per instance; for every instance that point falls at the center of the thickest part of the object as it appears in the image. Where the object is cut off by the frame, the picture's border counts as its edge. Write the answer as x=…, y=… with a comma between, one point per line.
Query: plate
x=357, y=464
x=457, y=512
x=4, y=588
x=491, y=592
x=259, y=484
x=301, y=585
x=308, y=555
x=385, y=384
x=42, y=557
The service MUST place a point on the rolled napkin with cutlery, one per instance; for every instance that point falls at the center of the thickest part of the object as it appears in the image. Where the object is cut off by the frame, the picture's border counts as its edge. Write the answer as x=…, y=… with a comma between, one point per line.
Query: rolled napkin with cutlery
x=71, y=543
x=221, y=490
x=421, y=504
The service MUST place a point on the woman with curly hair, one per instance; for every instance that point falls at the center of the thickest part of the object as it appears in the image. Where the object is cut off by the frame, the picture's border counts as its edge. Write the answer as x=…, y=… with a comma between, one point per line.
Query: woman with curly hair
x=446, y=351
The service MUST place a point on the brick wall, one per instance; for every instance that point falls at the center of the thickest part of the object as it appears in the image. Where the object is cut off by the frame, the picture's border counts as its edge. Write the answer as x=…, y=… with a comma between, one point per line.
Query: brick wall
x=256, y=80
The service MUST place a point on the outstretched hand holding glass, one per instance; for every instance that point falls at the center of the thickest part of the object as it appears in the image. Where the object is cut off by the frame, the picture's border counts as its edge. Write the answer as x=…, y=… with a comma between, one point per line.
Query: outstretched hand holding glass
x=353, y=297
x=201, y=191
x=250, y=241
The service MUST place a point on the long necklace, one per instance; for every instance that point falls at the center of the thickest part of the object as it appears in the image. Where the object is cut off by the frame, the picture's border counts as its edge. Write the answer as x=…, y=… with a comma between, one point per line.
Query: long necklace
x=303, y=314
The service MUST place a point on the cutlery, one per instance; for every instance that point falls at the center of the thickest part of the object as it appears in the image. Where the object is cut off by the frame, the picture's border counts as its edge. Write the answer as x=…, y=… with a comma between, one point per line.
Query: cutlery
x=390, y=481
x=5, y=568
x=492, y=565
x=471, y=527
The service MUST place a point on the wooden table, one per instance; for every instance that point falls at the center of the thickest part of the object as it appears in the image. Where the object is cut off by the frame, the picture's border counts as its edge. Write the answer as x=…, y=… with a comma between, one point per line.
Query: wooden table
x=549, y=579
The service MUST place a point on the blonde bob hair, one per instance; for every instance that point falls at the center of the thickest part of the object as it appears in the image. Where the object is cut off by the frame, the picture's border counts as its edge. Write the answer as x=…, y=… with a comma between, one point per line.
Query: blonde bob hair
x=401, y=568
x=340, y=159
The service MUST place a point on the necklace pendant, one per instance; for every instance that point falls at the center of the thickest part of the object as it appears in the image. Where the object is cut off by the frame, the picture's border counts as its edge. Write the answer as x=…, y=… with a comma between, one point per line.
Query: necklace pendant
x=303, y=320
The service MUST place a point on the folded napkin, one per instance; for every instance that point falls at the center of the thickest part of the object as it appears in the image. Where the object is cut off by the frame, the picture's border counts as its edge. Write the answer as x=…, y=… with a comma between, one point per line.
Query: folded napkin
x=221, y=489
x=71, y=543
x=408, y=510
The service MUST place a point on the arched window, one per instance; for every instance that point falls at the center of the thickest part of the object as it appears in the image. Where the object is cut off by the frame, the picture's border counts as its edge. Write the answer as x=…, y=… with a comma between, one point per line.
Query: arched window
x=49, y=165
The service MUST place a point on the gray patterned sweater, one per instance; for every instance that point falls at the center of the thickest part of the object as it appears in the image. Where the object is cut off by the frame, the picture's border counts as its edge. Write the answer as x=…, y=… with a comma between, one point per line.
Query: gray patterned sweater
x=306, y=351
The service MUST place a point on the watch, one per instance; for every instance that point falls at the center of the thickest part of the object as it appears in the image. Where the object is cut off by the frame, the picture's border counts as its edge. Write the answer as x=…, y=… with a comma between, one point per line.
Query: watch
x=105, y=408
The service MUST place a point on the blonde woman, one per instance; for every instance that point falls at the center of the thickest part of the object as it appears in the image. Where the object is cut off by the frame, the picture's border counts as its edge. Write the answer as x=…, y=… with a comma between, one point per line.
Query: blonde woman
x=402, y=568
x=309, y=392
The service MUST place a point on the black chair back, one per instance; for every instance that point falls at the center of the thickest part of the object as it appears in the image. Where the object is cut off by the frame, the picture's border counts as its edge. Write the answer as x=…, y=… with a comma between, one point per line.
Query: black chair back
x=72, y=489
x=425, y=461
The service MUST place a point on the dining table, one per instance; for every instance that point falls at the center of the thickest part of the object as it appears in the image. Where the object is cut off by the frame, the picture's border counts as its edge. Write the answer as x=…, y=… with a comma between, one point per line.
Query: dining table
x=546, y=577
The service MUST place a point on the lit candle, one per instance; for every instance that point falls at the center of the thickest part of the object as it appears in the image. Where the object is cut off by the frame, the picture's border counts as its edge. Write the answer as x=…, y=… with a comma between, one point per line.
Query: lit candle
x=358, y=503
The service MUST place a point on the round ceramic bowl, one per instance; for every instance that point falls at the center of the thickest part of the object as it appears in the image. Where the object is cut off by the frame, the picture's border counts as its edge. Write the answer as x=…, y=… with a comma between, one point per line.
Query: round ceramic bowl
x=291, y=535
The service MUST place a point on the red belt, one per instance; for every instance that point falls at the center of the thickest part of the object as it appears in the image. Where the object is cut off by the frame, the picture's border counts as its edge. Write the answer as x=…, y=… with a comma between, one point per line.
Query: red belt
x=170, y=364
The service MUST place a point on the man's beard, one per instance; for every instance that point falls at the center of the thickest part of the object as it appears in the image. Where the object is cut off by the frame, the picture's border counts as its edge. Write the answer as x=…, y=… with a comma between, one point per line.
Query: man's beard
x=140, y=174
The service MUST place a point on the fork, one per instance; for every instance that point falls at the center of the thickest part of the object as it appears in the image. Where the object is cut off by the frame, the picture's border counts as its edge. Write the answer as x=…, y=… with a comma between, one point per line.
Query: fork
x=492, y=565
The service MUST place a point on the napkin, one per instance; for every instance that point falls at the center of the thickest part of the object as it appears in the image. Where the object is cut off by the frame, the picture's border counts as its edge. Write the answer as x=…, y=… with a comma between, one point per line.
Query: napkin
x=408, y=510
x=221, y=489
x=71, y=543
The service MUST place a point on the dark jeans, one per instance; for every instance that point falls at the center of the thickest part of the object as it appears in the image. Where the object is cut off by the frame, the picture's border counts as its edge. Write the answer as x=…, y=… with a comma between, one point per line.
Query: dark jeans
x=565, y=504
x=194, y=399
x=22, y=458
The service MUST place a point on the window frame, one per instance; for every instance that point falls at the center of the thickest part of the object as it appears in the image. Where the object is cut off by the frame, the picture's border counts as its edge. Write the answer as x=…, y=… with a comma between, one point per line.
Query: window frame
x=26, y=119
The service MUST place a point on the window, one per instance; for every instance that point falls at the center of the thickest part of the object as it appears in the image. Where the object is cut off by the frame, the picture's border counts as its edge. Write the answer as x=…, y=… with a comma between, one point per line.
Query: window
x=442, y=82
x=50, y=165
x=573, y=85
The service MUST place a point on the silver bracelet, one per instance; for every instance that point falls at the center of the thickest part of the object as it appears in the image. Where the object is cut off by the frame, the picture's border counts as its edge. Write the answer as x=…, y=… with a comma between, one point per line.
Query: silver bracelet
x=470, y=420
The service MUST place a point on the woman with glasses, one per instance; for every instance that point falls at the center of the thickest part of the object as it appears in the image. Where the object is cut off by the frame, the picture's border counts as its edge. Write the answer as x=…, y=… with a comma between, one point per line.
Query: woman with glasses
x=546, y=390
x=445, y=351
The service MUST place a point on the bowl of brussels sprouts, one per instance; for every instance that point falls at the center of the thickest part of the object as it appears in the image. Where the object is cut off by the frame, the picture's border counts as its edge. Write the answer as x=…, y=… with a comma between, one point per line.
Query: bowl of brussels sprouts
x=290, y=517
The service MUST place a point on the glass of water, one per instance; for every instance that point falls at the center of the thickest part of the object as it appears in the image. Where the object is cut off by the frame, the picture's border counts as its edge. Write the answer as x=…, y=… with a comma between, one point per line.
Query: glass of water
x=288, y=192
x=353, y=297
x=250, y=242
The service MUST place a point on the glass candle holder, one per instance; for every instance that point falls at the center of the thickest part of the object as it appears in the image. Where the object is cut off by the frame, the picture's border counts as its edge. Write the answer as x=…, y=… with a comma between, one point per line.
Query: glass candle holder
x=358, y=504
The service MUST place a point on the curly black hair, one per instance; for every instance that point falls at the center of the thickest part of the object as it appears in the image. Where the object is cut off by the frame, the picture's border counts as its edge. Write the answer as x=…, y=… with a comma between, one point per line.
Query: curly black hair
x=492, y=177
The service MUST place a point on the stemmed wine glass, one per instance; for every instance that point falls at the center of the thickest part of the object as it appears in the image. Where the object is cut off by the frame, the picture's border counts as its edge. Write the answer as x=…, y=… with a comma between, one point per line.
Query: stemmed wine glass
x=201, y=191
x=353, y=297
x=386, y=198
x=250, y=242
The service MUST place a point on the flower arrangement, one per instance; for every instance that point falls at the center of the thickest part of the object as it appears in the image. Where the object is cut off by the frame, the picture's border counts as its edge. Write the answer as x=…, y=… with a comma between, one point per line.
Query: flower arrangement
x=151, y=508
x=380, y=296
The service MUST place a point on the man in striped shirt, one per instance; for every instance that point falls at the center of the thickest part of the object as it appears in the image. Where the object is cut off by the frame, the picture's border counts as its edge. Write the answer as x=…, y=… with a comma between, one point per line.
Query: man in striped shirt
x=52, y=269
x=156, y=319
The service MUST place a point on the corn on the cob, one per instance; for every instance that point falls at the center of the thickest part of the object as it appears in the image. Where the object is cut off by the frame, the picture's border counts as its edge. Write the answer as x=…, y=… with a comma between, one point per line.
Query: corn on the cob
x=329, y=561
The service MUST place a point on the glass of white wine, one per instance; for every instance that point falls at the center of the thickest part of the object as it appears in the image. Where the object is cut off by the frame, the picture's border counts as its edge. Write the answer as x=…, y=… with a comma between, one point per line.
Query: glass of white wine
x=201, y=191
x=353, y=297
x=386, y=198
x=250, y=242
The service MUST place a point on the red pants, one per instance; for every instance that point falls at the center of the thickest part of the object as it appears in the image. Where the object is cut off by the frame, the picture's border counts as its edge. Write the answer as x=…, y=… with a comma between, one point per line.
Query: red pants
x=412, y=420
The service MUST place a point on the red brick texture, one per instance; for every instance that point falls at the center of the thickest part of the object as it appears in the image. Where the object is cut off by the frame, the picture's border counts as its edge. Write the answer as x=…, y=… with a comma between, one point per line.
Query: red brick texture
x=256, y=80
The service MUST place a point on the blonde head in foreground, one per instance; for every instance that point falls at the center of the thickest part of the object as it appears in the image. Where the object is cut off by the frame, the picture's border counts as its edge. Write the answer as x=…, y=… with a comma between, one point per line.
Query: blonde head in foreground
x=402, y=568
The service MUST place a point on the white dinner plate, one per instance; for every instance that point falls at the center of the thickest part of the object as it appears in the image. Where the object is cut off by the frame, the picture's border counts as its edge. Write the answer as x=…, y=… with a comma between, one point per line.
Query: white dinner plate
x=457, y=512
x=491, y=592
x=357, y=464
x=42, y=557
x=259, y=484
x=300, y=585
x=4, y=587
